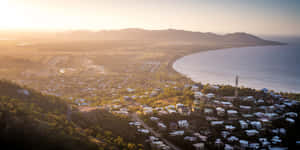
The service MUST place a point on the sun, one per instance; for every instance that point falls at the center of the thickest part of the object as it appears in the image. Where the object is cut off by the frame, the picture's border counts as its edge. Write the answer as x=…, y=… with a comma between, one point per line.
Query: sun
x=10, y=15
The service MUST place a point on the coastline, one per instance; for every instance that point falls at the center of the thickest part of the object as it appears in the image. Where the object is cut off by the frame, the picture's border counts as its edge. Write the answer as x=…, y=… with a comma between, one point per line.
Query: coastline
x=172, y=62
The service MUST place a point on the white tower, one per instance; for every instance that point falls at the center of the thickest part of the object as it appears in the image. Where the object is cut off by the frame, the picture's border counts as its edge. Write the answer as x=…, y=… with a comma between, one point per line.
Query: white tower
x=236, y=93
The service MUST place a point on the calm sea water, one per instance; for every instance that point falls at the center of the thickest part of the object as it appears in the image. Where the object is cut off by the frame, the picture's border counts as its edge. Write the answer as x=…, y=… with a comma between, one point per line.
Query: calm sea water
x=272, y=67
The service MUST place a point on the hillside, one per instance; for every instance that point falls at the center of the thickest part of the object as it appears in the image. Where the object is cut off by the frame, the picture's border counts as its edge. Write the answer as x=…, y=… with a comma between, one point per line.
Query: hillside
x=170, y=35
x=136, y=34
x=31, y=120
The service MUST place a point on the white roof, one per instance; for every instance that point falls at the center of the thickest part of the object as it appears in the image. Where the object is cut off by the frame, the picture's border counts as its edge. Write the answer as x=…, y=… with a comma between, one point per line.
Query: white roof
x=244, y=142
x=245, y=107
x=233, y=138
x=220, y=109
x=181, y=132
x=290, y=120
x=143, y=130
x=216, y=122
x=229, y=127
x=232, y=112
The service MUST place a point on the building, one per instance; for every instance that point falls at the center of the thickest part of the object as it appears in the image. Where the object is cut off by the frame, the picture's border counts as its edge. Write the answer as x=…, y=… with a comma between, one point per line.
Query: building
x=177, y=133
x=232, y=113
x=183, y=110
x=243, y=124
x=199, y=146
x=208, y=111
x=183, y=124
x=251, y=132
x=220, y=111
x=161, y=126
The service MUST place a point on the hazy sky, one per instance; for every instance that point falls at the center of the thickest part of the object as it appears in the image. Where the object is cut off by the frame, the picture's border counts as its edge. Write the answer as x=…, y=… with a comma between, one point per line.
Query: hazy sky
x=278, y=17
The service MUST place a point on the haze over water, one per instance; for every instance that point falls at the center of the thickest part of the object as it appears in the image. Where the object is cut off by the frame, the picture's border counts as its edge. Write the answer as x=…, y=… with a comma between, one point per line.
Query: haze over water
x=273, y=67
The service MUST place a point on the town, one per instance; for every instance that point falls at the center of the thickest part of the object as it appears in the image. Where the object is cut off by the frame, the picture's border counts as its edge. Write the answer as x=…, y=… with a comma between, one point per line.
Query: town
x=206, y=120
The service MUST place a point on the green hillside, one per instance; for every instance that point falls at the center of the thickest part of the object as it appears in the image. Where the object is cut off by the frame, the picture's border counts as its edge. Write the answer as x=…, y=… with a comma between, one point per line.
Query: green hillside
x=31, y=120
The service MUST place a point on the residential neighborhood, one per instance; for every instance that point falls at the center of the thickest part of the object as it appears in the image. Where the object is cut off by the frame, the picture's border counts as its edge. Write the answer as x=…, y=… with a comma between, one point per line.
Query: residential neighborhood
x=210, y=121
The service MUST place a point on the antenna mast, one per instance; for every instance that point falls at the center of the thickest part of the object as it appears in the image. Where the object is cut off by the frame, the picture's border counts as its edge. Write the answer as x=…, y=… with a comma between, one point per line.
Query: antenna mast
x=236, y=93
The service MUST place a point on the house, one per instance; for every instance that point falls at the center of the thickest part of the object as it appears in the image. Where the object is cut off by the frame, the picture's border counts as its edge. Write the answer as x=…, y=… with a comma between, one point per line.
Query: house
x=198, y=95
x=259, y=114
x=219, y=144
x=190, y=138
x=230, y=127
x=153, y=138
x=145, y=131
x=170, y=107
x=201, y=137
x=116, y=106
x=121, y=112
x=243, y=124
x=265, y=90
x=197, y=106
x=232, y=113
x=196, y=102
x=225, y=134
x=226, y=104
x=249, y=98
x=210, y=95
x=228, y=147
x=251, y=132
x=130, y=90
x=282, y=131
x=176, y=133
x=254, y=146
x=247, y=115
x=137, y=124
x=290, y=120
x=260, y=101
x=278, y=148
x=264, y=142
x=183, y=110
x=183, y=123
x=178, y=105
x=220, y=111
x=245, y=108
x=256, y=124
x=171, y=111
x=199, y=146
x=162, y=112
x=270, y=115
x=232, y=139
x=215, y=123
x=154, y=118
x=243, y=144
x=195, y=88
x=159, y=145
x=161, y=126
x=147, y=111
x=208, y=111
x=153, y=93
x=276, y=140
x=291, y=115
x=209, y=118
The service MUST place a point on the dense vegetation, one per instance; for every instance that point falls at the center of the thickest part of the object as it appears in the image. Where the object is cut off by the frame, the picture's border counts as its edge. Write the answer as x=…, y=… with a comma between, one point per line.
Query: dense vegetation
x=31, y=120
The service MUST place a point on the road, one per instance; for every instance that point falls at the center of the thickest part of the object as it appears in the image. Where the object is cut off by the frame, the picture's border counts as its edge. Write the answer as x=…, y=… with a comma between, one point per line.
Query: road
x=135, y=117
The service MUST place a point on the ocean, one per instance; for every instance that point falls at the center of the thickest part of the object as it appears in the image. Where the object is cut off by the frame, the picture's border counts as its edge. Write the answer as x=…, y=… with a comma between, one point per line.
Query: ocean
x=274, y=67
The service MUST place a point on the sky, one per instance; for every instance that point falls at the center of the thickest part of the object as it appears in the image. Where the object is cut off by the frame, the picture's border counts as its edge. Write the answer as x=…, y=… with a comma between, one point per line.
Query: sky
x=262, y=17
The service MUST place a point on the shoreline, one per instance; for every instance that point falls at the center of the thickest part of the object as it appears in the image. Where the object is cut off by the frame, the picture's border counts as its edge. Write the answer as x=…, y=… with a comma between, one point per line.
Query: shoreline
x=176, y=58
